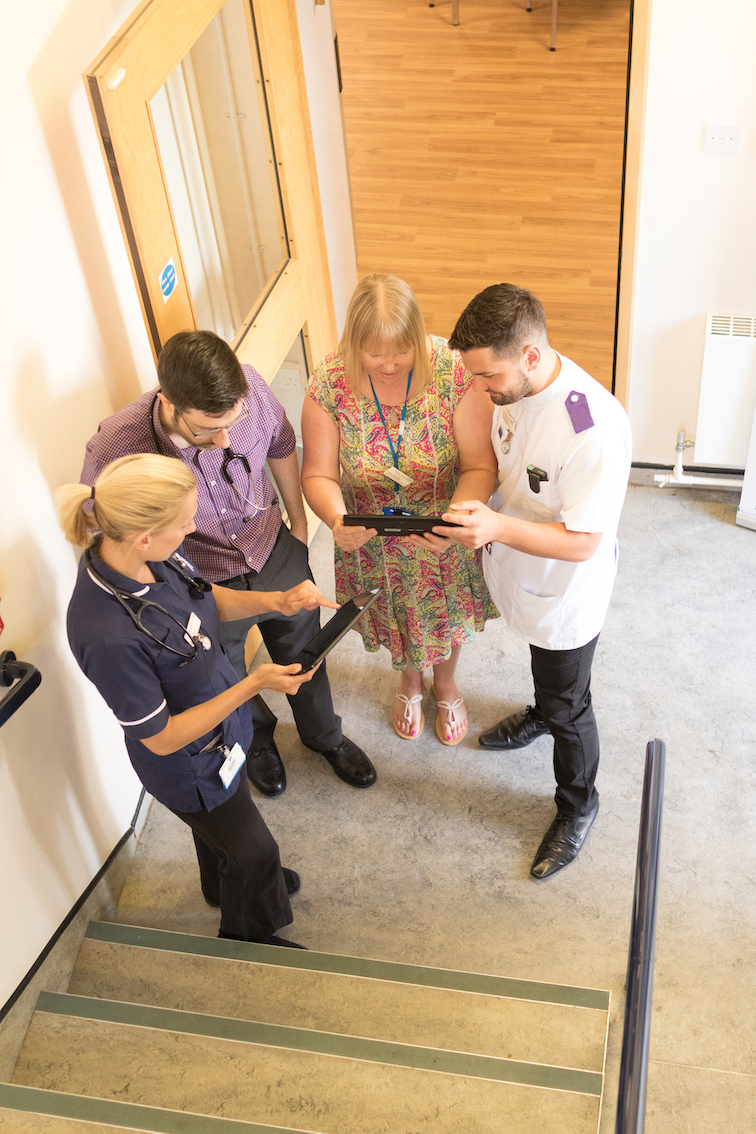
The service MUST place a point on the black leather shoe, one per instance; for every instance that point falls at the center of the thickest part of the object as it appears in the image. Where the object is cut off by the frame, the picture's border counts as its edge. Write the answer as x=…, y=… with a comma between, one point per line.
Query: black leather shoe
x=272, y=940
x=350, y=764
x=265, y=769
x=516, y=731
x=562, y=842
x=293, y=881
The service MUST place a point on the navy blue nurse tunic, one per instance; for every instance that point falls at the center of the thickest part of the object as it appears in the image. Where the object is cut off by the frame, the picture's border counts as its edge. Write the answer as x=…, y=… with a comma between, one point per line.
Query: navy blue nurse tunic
x=145, y=684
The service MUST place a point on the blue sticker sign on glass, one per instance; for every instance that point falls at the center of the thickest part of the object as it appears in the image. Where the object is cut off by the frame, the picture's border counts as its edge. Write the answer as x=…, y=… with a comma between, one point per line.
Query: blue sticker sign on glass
x=168, y=279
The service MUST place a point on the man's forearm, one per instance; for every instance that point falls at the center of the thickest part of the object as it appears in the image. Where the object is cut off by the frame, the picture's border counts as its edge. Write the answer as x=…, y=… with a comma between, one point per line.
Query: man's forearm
x=547, y=541
x=480, y=525
x=285, y=472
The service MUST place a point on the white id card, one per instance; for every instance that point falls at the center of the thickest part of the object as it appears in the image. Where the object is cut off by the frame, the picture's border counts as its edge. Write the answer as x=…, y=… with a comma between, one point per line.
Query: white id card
x=397, y=475
x=193, y=631
x=231, y=765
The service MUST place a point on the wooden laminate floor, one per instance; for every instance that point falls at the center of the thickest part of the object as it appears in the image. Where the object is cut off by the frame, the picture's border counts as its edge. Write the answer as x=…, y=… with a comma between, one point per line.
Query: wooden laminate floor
x=477, y=155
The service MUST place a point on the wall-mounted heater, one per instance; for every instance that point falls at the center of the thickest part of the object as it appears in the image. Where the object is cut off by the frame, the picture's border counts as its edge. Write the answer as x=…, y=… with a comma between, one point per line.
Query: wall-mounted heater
x=727, y=399
x=726, y=404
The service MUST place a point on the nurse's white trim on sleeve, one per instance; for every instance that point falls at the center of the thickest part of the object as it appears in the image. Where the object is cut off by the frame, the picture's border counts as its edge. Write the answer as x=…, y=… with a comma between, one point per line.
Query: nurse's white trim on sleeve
x=132, y=724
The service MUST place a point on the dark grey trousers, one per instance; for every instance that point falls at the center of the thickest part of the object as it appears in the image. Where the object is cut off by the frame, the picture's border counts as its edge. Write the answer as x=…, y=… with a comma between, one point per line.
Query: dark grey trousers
x=318, y=726
x=240, y=868
x=562, y=680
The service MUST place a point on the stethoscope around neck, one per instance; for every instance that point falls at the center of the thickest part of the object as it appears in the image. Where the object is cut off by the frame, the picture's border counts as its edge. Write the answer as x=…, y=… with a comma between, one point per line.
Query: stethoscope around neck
x=228, y=457
x=197, y=589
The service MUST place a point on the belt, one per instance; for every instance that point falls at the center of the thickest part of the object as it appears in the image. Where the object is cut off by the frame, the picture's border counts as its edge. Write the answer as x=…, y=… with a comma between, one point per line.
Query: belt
x=238, y=578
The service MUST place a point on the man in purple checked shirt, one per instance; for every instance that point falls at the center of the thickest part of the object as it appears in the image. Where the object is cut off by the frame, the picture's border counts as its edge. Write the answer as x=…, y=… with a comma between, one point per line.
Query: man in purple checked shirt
x=221, y=419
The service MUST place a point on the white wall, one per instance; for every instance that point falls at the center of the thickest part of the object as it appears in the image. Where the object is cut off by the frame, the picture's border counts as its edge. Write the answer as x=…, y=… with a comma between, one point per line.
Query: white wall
x=73, y=344
x=697, y=227
x=316, y=34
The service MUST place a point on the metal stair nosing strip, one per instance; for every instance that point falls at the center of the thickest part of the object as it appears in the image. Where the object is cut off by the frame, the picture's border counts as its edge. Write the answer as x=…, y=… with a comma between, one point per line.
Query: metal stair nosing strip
x=571, y=996
x=331, y=1044
x=130, y=1116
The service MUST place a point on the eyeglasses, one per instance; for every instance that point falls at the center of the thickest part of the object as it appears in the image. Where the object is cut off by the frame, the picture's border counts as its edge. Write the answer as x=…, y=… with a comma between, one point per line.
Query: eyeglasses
x=203, y=434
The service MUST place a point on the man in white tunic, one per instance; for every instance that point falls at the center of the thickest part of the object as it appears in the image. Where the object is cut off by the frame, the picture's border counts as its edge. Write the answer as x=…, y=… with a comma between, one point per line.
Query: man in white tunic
x=563, y=447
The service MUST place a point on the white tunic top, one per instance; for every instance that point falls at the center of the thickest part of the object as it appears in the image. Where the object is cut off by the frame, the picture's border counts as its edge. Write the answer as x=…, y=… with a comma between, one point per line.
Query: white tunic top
x=550, y=602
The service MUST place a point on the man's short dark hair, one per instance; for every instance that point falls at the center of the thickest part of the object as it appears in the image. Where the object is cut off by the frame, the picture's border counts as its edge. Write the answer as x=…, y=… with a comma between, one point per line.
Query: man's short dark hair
x=197, y=370
x=504, y=317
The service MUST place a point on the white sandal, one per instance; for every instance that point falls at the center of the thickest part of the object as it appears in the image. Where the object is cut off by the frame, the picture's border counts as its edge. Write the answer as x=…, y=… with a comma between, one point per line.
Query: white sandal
x=408, y=703
x=450, y=708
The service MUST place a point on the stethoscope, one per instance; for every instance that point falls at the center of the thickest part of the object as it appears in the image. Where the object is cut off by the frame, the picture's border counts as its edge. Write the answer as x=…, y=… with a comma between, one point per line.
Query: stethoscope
x=228, y=456
x=197, y=589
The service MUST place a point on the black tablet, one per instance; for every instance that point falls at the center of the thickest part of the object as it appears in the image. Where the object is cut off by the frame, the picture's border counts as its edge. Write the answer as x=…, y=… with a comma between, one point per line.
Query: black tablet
x=335, y=629
x=398, y=525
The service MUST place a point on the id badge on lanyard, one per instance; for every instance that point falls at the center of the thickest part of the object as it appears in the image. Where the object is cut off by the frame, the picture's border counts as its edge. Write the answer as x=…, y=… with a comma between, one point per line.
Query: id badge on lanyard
x=393, y=472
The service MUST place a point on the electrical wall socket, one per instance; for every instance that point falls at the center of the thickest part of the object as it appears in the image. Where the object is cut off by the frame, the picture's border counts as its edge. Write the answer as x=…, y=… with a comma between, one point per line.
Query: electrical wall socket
x=722, y=139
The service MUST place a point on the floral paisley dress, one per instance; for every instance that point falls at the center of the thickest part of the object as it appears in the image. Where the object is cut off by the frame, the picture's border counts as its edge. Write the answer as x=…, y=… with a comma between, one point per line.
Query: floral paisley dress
x=427, y=604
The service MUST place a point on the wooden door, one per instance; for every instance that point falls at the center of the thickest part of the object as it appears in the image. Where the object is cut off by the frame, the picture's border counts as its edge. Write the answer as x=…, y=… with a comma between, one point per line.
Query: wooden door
x=152, y=101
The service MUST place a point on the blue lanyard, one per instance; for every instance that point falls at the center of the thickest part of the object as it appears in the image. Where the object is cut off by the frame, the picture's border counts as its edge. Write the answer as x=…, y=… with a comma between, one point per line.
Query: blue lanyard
x=394, y=452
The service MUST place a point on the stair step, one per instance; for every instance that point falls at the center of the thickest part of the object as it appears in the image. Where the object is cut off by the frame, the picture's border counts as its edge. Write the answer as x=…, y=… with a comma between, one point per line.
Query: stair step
x=29, y=1110
x=293, y=1078
x=322, y=1043
x=351, y=966
x=524, y=1021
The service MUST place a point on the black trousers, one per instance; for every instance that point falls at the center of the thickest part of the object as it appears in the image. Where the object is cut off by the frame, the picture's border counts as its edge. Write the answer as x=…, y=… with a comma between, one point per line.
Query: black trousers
x=318, y=726
x=240, y=868
x=562, y=680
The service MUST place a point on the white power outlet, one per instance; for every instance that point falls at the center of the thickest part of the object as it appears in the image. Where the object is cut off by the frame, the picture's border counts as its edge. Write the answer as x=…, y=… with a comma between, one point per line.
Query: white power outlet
x=722, y=139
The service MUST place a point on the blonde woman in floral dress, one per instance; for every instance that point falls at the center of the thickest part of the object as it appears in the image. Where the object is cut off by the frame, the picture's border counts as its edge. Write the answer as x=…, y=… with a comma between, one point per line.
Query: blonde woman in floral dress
x=394, y=398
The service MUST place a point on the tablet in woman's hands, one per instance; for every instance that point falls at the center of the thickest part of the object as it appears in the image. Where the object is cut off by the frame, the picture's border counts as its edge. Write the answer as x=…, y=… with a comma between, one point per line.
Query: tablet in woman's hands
x=335, y=629
x=397, y=525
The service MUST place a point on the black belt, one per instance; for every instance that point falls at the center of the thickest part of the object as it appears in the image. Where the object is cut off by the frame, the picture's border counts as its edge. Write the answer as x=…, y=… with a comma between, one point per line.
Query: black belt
x=238, y=578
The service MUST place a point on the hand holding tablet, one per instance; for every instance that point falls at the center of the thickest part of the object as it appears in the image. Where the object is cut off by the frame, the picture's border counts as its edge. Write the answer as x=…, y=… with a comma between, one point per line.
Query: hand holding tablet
x=335, y=629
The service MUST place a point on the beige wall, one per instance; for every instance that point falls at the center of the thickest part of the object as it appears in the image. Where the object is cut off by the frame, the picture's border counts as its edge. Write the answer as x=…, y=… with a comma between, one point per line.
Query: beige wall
x=73, y=345
x=696, y=245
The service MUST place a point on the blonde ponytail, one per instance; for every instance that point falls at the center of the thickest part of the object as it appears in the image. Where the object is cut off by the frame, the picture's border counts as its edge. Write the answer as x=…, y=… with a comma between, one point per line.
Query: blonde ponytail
x=79, y=527
x=140, y=493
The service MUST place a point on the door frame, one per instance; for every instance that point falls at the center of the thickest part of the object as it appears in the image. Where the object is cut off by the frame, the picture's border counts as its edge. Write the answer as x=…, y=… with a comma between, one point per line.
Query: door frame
x=635, y=118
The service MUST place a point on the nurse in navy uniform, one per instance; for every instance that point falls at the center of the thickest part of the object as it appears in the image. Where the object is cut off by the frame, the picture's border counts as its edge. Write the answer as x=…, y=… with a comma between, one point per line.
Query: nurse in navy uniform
x=144, y=630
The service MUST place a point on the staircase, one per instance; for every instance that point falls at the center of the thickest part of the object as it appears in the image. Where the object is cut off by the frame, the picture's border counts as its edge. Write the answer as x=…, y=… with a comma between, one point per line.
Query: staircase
x=182, y=1034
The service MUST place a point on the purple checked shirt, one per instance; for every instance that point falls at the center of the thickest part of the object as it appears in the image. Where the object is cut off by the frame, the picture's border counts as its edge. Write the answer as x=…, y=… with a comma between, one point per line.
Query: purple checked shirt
x=225, y=544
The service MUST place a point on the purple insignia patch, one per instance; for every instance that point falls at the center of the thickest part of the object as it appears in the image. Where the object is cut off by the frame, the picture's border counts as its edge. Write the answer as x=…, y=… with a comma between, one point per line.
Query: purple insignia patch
x=577, y=407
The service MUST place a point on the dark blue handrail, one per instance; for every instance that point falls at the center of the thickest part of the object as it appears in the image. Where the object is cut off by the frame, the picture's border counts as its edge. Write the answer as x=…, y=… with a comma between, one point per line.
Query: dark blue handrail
x=28, y=678
x=631, y=1104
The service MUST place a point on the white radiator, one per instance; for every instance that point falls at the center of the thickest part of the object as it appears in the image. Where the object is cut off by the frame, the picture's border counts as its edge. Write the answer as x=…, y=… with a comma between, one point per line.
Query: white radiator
x=727, y=399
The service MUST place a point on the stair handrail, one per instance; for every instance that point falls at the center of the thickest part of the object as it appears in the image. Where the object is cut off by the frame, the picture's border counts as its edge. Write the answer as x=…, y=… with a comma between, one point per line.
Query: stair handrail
x=27, y=677
x=631, y=1102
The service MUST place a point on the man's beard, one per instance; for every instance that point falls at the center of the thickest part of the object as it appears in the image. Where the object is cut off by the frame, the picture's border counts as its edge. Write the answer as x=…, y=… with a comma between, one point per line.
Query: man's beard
x=522, y=390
